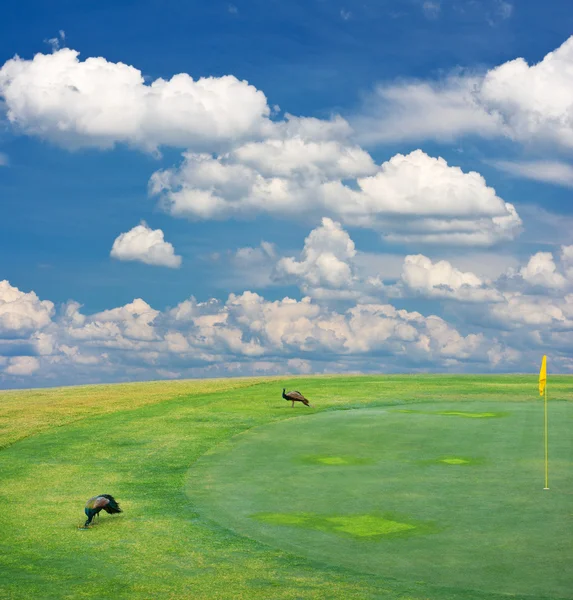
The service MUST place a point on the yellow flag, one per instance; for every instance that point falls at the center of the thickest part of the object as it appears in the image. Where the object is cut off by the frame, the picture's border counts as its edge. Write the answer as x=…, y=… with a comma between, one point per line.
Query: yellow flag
x=543, y=375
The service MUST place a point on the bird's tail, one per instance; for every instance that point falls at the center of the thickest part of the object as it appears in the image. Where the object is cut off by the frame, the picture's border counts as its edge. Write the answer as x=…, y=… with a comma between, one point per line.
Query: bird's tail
x=113, y=506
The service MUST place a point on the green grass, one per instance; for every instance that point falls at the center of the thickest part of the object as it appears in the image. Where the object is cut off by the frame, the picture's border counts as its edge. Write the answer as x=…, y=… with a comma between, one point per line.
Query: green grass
x=485, y=526
x=357, y=526
x=149, y=444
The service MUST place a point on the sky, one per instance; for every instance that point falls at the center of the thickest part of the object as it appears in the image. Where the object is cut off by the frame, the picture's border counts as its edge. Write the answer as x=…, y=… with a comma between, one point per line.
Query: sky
x=193, y=189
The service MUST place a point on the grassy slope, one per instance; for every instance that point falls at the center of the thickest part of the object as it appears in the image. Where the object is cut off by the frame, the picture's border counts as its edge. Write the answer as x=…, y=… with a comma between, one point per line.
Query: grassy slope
x=137, y=442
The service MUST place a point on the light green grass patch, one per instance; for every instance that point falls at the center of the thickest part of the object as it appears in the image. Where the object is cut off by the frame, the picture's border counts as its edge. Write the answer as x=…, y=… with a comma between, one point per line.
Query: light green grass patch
x=470, y=415
x=336, y=461
x=461, y=461
x=369, y=525
x=455, y=461
x=357, y=526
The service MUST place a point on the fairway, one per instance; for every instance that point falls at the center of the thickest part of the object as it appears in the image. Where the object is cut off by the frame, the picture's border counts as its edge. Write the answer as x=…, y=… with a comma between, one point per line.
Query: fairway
x=415, y=487
x=441, y=494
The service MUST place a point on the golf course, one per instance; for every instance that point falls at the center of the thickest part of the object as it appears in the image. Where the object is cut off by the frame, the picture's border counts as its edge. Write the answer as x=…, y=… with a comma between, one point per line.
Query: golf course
x=401, y=487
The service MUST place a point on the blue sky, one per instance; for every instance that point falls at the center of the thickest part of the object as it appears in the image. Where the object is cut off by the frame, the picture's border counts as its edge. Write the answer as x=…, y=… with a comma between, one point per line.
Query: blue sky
x=405, y=267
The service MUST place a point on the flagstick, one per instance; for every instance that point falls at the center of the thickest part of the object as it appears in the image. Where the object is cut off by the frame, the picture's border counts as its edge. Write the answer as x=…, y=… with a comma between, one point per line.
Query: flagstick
x=546, y=445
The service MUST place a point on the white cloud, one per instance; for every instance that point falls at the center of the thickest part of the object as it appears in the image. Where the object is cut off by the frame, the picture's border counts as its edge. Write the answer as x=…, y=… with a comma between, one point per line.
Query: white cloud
x=145, y=245
x=22, y=365
x=413, y=198
x=324, y=260
x=541, y=270
x=548, y=171
x=97, y=103
x=3, y=160
x=534, y=321
x=118, y=326
x=536, y=311
x=240, y=163
x=442, y=280
x=249, y=334
x=525, y=103
x=304, y=157
x=22, y=312
x=280, y=175
x=417, y=110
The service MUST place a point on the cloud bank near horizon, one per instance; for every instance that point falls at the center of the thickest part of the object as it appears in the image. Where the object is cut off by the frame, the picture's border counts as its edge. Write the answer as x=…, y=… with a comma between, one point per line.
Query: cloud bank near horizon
x=240, y=160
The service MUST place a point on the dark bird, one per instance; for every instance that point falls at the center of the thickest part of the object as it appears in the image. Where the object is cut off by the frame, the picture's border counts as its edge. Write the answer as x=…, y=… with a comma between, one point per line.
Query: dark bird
x=295, y=396
x=97, y=503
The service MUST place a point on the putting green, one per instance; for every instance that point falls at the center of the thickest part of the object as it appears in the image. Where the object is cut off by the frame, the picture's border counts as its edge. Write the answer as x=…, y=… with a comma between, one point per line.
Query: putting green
x=423, y=495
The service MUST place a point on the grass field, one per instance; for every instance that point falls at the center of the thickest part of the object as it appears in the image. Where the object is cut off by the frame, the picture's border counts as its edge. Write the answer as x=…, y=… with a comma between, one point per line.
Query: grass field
x=400, y=487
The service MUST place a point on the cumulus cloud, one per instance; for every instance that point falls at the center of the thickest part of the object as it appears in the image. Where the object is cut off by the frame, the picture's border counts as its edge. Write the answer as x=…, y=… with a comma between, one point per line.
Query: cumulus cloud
x=304, y=327
x=542, y=273
x=245, y=333
x=22, y=365
x=22, y=312
x=537, y=311
x=412, y=198
x=324, y=260
x=97, y=103
x=145, y=245
x=117, y=327
x=520, y=101
x=248, y=334
x=542, y=270
x=442, y=280
x=279, y=175
x=239, y=163
x=328, y=267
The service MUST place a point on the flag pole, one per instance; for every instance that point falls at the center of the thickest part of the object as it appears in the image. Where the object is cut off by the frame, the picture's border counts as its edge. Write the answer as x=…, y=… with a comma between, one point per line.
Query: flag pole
x=546, y=445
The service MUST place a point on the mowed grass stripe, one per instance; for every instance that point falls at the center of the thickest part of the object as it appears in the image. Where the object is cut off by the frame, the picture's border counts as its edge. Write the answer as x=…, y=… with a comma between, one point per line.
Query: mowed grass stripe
x=162, y=547
x=28, y=412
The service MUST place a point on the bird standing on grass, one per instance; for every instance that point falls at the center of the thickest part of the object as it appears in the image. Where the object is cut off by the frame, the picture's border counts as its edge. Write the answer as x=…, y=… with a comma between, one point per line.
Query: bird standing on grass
x=97, y=503
x=295, y=396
